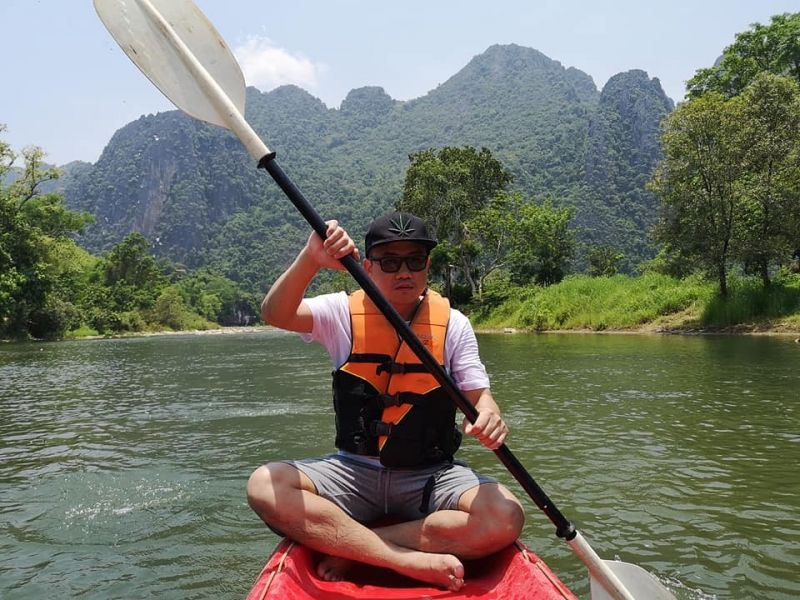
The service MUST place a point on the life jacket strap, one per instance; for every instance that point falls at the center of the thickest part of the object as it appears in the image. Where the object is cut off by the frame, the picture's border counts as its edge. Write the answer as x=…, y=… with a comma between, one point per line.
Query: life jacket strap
x=387, y=400
x=367, y=357
x=386, y=364
x=401, y=368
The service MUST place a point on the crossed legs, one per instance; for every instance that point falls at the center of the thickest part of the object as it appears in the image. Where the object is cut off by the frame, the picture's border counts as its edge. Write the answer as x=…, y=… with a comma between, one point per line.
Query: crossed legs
x=429, y=549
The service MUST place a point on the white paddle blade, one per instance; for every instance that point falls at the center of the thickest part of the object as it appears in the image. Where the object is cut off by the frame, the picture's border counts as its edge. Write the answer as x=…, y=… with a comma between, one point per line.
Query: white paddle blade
x=136, y=26
x=641, y=584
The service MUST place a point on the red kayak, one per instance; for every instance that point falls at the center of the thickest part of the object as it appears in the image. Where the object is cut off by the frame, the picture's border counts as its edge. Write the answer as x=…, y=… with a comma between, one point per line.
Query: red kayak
x=515, y=573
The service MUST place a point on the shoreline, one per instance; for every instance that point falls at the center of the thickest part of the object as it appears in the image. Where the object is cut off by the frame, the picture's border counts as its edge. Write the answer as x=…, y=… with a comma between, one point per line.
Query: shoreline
x=215, y=331
x=646, y=330
x=743, y=330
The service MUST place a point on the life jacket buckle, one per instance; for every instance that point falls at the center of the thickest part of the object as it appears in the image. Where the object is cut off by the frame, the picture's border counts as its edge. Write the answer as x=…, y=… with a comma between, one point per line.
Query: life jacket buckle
x=388, y=400
x=391, y=367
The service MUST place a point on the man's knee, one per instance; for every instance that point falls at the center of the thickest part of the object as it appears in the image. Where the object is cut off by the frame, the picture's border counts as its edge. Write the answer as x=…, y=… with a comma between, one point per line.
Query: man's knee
x=266, y=485
x=501, y=514
x=510, y=514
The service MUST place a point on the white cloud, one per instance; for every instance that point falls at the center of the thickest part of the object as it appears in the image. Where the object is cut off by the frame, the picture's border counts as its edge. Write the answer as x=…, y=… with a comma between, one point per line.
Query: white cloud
x=267, y=66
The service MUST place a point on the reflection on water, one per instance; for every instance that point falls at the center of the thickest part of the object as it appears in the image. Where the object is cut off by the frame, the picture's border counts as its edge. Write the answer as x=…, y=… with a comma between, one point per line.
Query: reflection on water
x=123, y=462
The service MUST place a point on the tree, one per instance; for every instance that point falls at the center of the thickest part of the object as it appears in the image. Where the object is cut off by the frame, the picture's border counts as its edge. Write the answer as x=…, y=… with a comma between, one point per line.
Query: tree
x=132, y=274
x=773, y=48
x=730, y=179
x=543, y=243
x=754, y=91
x=218, y=299
x=532, y=240
x=603, y=260
x=490, y=235
x=171, y=310
x=35, y=250
x=699, y=182
x=448, y=188
x=770, y=130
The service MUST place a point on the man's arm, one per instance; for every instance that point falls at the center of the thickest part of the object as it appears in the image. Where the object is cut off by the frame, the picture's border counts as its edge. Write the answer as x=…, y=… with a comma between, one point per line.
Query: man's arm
x=283, y=305
x=489, y=427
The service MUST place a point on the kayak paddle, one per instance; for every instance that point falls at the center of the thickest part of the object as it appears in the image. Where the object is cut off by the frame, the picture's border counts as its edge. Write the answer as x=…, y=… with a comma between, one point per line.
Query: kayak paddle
x=180, y=51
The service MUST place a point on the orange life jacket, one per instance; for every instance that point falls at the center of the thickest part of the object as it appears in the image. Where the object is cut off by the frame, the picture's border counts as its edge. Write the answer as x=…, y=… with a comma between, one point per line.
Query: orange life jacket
x=387, y=403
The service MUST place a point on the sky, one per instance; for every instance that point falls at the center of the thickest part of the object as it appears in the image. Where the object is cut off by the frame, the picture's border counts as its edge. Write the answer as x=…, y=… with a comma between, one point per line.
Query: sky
x=67, y=87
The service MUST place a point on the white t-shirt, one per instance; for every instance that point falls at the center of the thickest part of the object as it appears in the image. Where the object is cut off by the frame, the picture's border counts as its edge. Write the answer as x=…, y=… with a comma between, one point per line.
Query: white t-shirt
x=331, y=313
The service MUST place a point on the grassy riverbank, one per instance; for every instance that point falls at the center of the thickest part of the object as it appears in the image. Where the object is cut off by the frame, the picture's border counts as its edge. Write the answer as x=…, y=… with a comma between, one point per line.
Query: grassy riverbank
x=652, y=302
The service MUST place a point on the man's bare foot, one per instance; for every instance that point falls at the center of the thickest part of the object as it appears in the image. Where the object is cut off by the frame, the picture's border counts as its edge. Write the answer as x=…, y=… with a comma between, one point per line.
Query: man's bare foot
x=333, y=568
x=442, y=570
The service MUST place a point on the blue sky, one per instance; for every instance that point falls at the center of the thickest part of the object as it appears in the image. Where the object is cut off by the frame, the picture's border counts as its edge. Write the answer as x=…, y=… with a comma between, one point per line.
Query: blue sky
x=67, y=87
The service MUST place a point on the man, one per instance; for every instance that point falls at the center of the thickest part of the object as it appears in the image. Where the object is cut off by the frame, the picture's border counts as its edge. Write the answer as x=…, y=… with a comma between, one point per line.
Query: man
x=395, y=426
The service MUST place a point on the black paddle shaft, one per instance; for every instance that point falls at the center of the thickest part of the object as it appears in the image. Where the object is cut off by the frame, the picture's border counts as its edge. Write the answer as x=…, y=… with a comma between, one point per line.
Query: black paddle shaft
x=564, y=529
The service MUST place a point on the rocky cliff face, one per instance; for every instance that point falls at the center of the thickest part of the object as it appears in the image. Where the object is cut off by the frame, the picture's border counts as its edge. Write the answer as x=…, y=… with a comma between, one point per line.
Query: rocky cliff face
x=623, y=149
x=625, y=128
x=160, y=176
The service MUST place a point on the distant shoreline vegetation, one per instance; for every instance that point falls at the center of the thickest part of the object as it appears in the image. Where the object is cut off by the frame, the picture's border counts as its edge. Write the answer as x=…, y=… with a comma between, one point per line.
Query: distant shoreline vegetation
x=648, y=304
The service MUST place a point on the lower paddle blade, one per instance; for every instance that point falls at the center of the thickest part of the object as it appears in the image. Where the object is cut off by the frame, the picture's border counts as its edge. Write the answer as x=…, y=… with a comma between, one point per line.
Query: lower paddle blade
x=159, y=36
x=641, y=584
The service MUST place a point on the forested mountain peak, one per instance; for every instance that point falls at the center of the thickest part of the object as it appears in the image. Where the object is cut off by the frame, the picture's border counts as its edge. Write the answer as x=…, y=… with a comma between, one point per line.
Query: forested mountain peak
x=503, y=59
x=194, y=192
x=583, y=84
x=366, y=107
x=512, y=68
x=641, y=103
x=633, y=85
x=291, y=94
x=371, y=99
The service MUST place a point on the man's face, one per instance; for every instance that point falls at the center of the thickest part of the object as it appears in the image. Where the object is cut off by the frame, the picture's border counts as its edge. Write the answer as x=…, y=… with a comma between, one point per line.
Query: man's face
x=404, y=286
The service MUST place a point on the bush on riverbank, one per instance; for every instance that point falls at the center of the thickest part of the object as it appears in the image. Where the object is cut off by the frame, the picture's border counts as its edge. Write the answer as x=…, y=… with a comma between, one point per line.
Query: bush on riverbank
x=650, y=302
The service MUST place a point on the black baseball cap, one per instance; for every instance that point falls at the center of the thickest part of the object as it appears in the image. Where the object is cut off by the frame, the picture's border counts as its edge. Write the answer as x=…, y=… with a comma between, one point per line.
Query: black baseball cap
x=398, y=227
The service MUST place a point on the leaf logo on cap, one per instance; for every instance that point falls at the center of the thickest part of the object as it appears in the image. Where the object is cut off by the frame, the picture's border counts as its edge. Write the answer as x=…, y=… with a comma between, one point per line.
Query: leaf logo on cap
x=401, y=228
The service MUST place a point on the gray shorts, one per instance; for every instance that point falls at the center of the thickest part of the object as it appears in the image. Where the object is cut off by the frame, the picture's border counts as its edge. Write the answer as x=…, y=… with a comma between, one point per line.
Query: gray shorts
x=367, y=491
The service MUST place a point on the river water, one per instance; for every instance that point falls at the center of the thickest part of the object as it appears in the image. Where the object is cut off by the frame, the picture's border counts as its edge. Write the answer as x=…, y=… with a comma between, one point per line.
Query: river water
x=123, y=462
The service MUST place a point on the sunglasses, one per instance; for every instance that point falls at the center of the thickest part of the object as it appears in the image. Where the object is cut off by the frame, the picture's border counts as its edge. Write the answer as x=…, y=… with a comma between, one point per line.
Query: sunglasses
x=392, y=264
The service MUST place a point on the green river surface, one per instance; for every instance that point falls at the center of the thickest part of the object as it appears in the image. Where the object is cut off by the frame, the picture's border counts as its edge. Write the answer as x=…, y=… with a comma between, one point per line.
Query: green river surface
x=123, y=462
